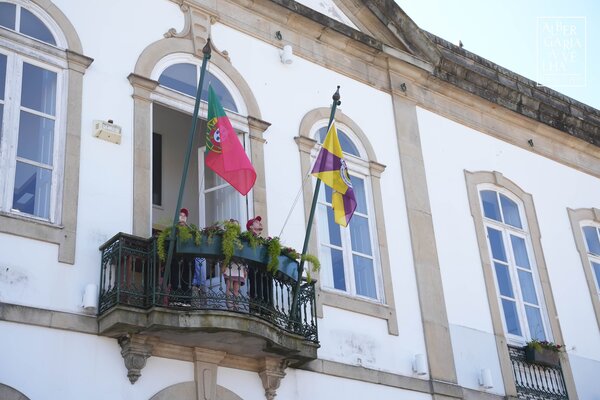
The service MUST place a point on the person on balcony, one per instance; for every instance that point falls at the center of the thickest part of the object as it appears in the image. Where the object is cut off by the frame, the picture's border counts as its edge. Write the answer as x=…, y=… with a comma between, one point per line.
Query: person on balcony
x=179, y=281
x=260, y=282
x=235, y=275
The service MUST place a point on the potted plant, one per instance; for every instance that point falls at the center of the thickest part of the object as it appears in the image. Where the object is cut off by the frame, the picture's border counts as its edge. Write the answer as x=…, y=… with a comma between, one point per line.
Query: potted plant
x=543, y=353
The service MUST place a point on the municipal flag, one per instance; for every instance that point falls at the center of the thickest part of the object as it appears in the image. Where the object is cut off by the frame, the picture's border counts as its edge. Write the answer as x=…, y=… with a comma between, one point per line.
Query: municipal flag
x=331, y=168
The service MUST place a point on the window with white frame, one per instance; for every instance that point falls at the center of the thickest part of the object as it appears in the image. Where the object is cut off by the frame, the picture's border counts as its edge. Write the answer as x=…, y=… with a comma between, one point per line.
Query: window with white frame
x=217, y=199
x=514, y=267
x=31, y=116
x=348, y=255
x=592, y=241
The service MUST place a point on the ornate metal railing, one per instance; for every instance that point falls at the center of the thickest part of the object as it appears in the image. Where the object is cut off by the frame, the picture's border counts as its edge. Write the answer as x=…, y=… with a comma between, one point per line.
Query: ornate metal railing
x=536, y=382
x=132, y=275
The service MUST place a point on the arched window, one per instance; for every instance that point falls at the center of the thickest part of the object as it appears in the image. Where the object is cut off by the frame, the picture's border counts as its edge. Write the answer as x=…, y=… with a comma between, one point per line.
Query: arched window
x=20, y=19
x=591, y=233
x=184, y=77
x=513, y=264
x=585, y=223
x=216, y=200
x=355, y=265
x=41, y=71
x=32, y=112
x=349, y=254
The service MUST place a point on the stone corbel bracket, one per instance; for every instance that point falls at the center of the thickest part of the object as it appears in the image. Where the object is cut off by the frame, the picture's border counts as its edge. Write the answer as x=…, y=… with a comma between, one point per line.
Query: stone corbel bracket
x=135, y=352
x=271, y=374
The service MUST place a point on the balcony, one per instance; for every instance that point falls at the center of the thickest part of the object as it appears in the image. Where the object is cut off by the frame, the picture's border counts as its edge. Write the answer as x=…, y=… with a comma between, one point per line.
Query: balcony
x=536, y=381
x=191, y=306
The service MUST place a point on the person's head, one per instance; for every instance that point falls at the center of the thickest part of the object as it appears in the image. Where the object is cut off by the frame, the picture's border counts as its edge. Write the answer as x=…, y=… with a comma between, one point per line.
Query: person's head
x=183, y=215
x=254, y=225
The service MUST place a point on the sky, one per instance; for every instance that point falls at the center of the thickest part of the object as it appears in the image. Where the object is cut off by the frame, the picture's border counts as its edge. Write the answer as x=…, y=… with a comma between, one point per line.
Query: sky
x=553, y=42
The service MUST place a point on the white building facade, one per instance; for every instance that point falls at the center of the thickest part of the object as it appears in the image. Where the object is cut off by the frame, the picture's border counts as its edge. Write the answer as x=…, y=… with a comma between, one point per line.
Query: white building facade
x=477, y=227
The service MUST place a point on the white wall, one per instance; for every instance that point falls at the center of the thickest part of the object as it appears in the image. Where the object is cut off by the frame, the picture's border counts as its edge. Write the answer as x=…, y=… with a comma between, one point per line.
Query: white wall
x=54, y=364
x=308, y=385
x=448, y=150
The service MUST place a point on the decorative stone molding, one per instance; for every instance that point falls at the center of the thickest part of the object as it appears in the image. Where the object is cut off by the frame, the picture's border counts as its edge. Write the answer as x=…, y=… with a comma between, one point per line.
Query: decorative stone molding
x=196, y=28
x=271, y=374
x=135, y=352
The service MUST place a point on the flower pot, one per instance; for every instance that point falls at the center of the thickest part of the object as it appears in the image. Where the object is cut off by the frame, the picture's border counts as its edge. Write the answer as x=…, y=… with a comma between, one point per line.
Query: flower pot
x=546, y=357
x=288, y=267
x=256, y=254
x=208, y=247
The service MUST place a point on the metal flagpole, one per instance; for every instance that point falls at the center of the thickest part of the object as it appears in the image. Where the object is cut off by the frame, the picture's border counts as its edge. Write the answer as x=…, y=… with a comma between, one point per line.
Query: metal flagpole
x=336, y=102
x=206, y=50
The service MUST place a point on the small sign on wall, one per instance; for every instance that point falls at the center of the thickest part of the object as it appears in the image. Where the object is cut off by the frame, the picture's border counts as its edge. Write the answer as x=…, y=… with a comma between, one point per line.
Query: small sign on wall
x=107, y=131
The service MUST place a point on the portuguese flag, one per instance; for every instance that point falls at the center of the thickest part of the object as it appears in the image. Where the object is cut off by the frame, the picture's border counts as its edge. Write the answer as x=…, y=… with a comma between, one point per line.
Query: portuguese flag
x=224, y=152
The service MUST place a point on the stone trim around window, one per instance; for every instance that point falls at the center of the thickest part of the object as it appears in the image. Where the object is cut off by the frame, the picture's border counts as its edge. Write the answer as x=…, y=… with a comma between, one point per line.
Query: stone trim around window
x=189, y=41
x=305, y=144
x=577, y=217
x=64, y=233
x=473, y=181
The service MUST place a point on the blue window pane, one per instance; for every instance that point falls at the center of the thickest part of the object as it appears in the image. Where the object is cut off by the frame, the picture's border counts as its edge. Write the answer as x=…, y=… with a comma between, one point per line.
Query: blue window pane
x=534, y=321
x=32, y=190
x=364, y=277
x=596, y=268
x=347, y=145
x=2, y=71
x=497, y=244
x=359, y=193
x=39, y=89
x=36, y=138
x=335, y=237
x=510, y=211
x=512, y=318
x=221, y=91
x=328, y=193
x=490, y=205
x=504, y=282
x=34, y=27
x=359, y=234
x=337, y=266
x=591, y=238
x=527, y=287
x=181, y=77
x=7, y=15
x=520, y=251
x=345, y=142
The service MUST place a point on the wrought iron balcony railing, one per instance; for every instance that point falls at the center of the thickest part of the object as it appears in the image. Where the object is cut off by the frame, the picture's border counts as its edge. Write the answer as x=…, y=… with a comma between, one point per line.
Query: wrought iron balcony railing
x=133, y=276
x=535, y=381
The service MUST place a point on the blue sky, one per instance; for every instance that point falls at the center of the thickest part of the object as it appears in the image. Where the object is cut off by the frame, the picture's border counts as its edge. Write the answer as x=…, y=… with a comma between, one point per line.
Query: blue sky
x=553, y=42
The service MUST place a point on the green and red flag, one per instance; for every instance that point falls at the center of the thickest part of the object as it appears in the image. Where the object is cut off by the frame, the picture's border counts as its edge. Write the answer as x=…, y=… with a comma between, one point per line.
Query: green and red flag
x=224, y=153
x=331, y=168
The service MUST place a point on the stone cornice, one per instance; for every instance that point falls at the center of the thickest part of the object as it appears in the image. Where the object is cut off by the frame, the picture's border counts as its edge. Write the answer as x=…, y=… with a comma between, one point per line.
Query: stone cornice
x=507, y=89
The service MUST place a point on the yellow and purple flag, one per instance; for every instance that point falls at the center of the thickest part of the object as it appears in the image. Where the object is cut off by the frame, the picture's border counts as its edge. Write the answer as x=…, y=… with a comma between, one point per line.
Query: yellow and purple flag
x=331, y=168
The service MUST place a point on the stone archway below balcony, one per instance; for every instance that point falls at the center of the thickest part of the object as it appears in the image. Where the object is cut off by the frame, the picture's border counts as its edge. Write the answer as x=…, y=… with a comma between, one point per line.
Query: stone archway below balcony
x=187, y=391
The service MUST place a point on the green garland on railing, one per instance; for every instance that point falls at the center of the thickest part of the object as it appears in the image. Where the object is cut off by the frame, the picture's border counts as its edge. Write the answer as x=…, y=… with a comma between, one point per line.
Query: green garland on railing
x=314, y=261
x=274, y=251
x=233, y=238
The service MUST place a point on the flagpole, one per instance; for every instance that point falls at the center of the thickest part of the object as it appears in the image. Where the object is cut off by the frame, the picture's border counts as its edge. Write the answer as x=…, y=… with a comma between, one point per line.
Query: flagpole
x=206, y=51
x=313, y=207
